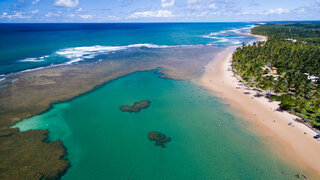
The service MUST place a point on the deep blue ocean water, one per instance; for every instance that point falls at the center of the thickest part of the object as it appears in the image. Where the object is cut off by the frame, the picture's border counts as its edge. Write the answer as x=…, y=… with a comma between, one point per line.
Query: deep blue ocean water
x=28, y=46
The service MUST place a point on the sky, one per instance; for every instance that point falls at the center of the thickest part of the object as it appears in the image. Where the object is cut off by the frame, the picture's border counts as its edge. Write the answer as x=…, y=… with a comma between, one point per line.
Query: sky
x=46, y=11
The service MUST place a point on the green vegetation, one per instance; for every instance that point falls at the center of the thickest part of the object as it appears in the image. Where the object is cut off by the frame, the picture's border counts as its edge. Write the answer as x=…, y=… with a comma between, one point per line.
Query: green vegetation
x=287, y=102
x=288, y=64
x=307, y=32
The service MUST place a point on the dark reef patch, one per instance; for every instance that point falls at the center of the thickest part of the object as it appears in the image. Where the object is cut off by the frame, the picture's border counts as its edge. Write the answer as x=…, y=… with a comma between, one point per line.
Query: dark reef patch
x=159, y=138
x=27, y=155
x=136, y=107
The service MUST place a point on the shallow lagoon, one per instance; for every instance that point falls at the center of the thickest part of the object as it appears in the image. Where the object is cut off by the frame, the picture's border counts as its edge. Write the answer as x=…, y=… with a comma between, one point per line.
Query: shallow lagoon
x=207, y=142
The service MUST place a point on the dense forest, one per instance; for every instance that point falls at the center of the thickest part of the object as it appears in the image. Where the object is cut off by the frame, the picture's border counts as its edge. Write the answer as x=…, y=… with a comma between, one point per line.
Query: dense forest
x=287, y=65
x=307, y=32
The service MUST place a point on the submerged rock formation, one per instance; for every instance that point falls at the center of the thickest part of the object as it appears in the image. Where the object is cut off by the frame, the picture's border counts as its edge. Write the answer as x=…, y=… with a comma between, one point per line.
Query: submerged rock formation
x=159, y=138
x=136, y=107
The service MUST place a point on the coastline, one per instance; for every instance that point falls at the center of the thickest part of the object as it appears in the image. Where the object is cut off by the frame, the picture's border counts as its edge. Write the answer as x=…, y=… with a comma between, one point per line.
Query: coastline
x=57, y=76
x=259, y=37
x=287, y=142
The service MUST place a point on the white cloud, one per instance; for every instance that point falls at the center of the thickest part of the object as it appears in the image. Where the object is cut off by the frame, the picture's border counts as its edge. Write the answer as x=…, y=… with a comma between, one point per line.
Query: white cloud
x=219, y=5
x=35, y=11
x=151, y=14
x=66, y=3
x=213, y=6
x=106, y=18
x=167, y=3
x=313, y=8
x=35, y=2
x=199, y=14
x=82, y=16
x=248, y=13
x=85, y=16
x=112, y=18
x=302, y=10
x=72, y=15
x=196, y=4
x=53, y=14
x=19, y=14
x=79, y=10
x=193, y=1
x=277, y=11
x=15, y=15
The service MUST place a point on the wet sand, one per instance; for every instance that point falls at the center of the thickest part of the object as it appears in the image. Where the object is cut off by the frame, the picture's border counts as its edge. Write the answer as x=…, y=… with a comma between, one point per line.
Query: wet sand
x=294, y=144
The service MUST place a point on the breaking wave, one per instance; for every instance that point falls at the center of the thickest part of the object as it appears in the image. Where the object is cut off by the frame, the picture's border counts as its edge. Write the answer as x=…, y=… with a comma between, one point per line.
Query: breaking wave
x=38, y=59
x=77, y=54
x=229, y=37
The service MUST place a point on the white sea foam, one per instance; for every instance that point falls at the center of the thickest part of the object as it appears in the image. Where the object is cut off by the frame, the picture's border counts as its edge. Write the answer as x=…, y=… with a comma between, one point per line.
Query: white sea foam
x=38, y=59
x=147, y=46
x=223, y=40
x=2, y=79
x=236, y=42
x=230, y=36
x=74, y=60
x=77, y=54
x=38, y=68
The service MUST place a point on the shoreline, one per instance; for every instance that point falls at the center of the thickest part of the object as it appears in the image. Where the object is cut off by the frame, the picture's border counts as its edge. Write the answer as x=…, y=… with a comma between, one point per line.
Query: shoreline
x=285, y=141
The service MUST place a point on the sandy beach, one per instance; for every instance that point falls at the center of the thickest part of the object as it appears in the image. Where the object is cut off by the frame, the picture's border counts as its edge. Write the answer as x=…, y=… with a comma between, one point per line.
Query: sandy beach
x=294, y=144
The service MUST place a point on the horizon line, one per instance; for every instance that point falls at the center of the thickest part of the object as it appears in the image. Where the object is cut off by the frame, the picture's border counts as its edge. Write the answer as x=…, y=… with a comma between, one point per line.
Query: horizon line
x=147, y=22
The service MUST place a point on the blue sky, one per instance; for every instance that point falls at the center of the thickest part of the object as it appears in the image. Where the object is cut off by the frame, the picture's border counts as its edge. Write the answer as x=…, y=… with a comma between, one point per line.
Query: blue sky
x=157, y=10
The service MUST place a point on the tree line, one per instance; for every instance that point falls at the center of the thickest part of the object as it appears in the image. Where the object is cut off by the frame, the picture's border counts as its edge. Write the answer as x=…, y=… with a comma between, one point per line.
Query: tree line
x=287, y=64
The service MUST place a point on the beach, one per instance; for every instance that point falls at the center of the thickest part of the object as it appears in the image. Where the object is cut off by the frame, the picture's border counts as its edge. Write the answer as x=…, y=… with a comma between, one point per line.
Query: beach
x=294, y=144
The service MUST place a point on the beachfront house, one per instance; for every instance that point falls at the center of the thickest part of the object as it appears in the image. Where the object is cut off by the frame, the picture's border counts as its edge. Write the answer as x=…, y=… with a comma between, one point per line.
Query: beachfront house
x=312, y=78
x=270, y=72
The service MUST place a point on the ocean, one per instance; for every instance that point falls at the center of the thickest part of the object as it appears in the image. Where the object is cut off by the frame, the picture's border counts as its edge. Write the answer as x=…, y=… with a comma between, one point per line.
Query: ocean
x=207, y=140
x=30, y=46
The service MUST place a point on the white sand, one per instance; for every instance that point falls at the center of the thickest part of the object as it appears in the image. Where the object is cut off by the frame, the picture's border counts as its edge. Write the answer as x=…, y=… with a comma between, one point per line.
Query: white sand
x=289, y=142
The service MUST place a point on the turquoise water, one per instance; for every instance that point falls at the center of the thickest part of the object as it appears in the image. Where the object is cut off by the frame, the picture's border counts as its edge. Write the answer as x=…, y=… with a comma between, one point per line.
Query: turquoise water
x=104, y=143
x=28, y=46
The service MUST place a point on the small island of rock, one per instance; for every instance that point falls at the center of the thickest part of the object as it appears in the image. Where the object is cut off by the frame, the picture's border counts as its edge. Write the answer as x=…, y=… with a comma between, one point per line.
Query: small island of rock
x=137, y=106
x=159, y=138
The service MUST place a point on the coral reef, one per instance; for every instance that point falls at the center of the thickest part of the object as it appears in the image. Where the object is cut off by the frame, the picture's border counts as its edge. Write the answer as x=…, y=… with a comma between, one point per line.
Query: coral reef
x=136, y=107
x=27, y=155
x=159, y=138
